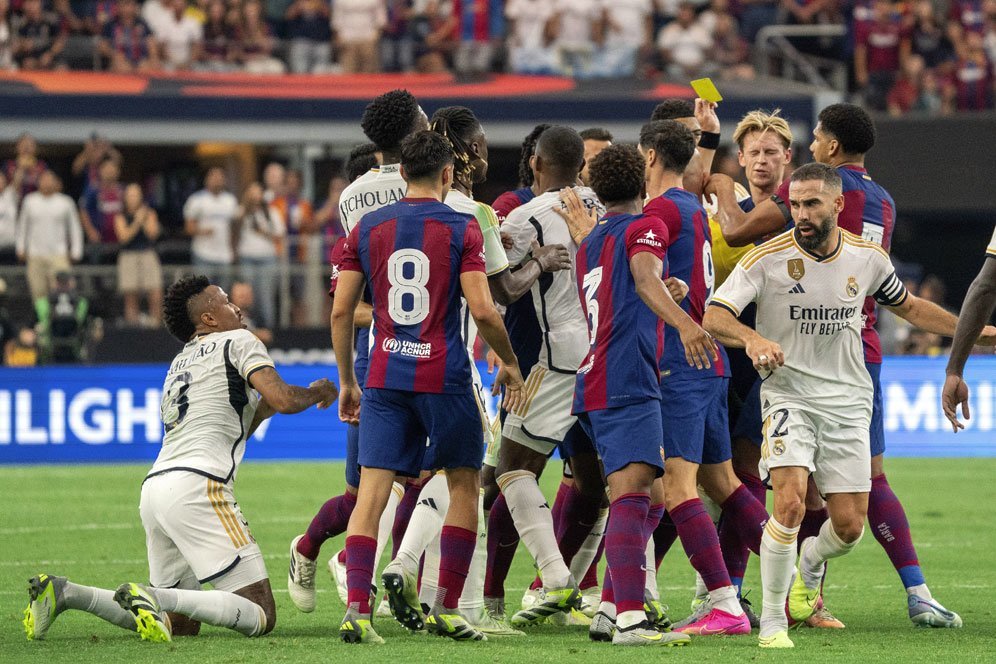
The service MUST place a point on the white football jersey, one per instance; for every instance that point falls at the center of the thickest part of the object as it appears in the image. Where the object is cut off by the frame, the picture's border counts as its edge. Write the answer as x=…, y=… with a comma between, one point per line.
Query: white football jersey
x=208, y=404
x=811, y=306
x=371, y=191
x=555, y=295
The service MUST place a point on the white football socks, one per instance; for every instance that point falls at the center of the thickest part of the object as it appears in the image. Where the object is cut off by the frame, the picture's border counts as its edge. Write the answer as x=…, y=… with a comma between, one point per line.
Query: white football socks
x=214, y=607
x=387, y=521
x=533, y=520
x=97, y=601
x=651, y=566
x=822, y=548
x=777, y=568
x=725, y=599
x=589, y=548
x=426, y=523
x=472, y=598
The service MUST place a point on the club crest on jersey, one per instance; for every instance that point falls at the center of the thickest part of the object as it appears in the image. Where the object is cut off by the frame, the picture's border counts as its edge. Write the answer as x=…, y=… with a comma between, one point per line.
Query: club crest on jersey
x=796, y=268
x=852, y=286
x=778, y=447
x=651, y=239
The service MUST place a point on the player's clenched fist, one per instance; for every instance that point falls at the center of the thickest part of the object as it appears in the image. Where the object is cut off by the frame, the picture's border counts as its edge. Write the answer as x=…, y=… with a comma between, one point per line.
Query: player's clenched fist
x=326, y=391
x=765, y=354
x=700, y=347
x=349, y=404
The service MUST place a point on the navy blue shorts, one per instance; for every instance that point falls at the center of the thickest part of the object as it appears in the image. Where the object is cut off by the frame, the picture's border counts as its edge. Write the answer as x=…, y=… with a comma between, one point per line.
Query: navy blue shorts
x=394, y=425
x=352, y=455
x=695, y=418
x=625, y=435
x=577, y=441
x=876, y=434
x=748, y=424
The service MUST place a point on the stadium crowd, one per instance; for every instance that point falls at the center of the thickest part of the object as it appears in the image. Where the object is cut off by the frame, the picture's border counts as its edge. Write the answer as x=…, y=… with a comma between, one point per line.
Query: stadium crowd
x=924, y=56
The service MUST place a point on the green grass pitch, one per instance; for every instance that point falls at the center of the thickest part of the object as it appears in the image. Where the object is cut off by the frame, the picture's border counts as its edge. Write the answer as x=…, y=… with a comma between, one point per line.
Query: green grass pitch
x=83, y=522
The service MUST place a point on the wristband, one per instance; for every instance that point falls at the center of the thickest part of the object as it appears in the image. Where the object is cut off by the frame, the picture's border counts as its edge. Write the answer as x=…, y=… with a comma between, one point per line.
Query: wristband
x=782, y=207
x=709, y=140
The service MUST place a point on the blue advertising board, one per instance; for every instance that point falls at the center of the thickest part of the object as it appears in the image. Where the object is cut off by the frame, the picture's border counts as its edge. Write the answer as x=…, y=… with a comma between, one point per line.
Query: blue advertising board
x=111, y=413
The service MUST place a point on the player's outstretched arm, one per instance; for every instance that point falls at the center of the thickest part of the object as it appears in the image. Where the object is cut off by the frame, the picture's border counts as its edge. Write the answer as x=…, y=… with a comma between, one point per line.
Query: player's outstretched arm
x=347, y=297
x=288, y=399
x=700, y=349
x=721, y=323
x=508, y=286
x=930, y=317
x=489, y=324
x=975, y=311
x=742, y=228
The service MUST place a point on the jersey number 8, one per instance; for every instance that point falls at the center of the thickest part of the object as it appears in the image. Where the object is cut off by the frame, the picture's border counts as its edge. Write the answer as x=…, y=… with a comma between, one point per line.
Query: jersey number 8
x=413, y=309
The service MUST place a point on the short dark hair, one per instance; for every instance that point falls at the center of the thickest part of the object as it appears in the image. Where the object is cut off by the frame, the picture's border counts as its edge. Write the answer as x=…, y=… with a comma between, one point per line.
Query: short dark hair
x=814, y=170
x=672, y=109
x=850, y=125
x=176, y=305
x=596, y=134
x=673, y=142
x=361, y=159
x=561, y=148
x=424, y=154
x=458, y=125
x=389, y=118
x=528, y=148
x=617, y=174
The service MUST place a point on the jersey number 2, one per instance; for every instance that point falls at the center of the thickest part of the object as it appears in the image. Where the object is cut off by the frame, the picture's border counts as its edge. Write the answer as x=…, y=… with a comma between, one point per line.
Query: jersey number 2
x=414, y=308
x=590, y=285
x=175, y=403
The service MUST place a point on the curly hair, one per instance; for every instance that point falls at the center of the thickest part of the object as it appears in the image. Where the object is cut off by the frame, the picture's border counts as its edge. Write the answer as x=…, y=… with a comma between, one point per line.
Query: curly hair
x=176, y=305
x=672, y=109
x=528, y=148
x=389, y=118
x=361, y=159
x=458, y=125
x=850, y=125
x=673, y=142
x=617, y=173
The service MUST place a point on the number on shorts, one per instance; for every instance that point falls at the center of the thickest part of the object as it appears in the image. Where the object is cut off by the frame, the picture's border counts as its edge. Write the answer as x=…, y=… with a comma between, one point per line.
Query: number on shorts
x=708, y=269
x=779, y=417
x=415, y=308
x=590, y=284
x=175, y=403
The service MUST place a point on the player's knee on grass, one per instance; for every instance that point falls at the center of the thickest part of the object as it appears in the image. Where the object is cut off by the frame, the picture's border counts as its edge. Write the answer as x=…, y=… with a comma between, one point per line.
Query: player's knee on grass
x=261, y=594
x=514, y=456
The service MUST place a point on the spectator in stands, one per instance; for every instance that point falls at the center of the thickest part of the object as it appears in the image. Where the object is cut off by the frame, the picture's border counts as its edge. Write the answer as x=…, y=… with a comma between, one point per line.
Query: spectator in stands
x=327, y=216
x=482, y=27
x=25, y=169
x=41, y=37
x=7, y=37
x=95, y=14
x=260, y=231
x=990, y=37
x=256, y=41
x=357, y=25
x=927, y=37
x=574, y=29
x=684, y=44
x=433, y=27
x=62, y=315
x=528, y=43
x=305, y=247
x=22, y=350
x=139, y=270
x=179, y=36
x=49, y=236
x=755, y=14
x=730, y=51
x=628, y=27
x=880, y=49
x=127, y=42
x=397, y=49
x=910, y=94
x=274, y=181
x=86, y=164
x=156, y=13
x=242, y=296
x=100, y=206
x=8, y=220
x=310, y=36
x=966, y=16
x=219, y=50
x=970, y=86
x=208, y=216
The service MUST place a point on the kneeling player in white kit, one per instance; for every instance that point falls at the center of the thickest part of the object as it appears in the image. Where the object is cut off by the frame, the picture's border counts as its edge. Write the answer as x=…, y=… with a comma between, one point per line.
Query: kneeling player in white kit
x=809, y=285
x=219, y=388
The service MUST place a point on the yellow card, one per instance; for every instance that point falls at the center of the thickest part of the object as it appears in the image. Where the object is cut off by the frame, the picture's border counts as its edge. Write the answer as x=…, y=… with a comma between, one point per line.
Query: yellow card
x=706, y=89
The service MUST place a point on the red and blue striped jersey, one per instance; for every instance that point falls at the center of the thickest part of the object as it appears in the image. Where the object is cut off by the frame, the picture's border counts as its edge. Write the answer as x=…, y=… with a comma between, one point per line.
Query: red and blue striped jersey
x=626, y=335
x=870, y=213
x=412, y=254
x=689, y=258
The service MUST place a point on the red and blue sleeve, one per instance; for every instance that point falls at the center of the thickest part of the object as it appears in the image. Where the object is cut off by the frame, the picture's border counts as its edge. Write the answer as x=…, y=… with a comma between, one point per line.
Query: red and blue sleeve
x=351, y=252
x=647, y=233
x=473, y=249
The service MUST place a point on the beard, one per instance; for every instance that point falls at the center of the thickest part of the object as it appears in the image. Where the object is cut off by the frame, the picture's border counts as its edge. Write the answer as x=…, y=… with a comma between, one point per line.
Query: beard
x=821, y=232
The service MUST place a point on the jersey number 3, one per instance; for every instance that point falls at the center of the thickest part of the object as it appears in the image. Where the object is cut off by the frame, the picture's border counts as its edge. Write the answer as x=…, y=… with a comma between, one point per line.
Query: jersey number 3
x=408, y=298
x=590, y=284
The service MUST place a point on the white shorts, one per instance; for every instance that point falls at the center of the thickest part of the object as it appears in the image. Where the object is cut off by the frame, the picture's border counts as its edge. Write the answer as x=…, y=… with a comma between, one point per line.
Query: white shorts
x=543, y=420
x=838, y=455
x=195, y=531
x=481, y=395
